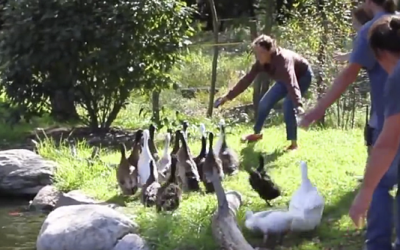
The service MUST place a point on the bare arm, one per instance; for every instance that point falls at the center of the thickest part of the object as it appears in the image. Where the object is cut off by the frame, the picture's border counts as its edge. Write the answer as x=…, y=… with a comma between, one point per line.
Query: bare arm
x=244, y=82
x=383, y=152
x=343, y=57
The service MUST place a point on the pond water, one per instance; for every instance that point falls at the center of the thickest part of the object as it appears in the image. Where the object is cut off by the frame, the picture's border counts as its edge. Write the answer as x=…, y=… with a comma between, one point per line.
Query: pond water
x=18, y=229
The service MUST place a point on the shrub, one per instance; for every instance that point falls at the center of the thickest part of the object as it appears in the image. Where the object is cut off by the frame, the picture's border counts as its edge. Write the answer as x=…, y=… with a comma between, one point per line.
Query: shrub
x=92, y=53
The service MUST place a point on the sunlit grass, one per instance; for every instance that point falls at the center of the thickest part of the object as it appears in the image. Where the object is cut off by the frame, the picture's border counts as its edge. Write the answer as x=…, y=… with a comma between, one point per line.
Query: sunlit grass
x=334, y=157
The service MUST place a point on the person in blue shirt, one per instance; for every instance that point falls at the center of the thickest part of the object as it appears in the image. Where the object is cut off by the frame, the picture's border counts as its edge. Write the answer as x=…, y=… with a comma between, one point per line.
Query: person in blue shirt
x=384, y=38
x=380, y=210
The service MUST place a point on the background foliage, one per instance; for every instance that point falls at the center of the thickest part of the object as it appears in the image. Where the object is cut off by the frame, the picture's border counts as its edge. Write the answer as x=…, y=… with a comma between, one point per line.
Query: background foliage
x=89, y=59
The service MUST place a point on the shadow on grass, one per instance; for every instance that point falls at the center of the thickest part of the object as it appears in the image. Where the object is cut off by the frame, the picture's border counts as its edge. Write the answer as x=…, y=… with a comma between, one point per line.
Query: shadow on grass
x=123, y=200
x=250, y=157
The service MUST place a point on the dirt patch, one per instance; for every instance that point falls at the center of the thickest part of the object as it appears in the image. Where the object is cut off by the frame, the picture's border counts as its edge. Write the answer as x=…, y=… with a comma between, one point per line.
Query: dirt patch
x=110, y=138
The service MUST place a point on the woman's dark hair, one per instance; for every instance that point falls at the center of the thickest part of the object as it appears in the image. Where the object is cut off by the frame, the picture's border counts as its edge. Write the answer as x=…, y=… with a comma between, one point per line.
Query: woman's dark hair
x=265, y=42
x=384, y=34
x=361, y=15
x=388, y=5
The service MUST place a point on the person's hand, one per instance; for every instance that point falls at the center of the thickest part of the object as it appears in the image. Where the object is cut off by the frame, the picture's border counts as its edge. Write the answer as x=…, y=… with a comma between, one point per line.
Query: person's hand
x=310, y=117
x=299, y=111
x=220, y=101
x=359, y=208
x=340, y=56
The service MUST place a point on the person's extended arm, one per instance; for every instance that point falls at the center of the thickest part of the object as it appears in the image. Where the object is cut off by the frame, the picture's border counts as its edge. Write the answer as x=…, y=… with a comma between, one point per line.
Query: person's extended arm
x=343, y=57
x=244, y=82
x=346, y=77
x=361, y=56
x=383, y=152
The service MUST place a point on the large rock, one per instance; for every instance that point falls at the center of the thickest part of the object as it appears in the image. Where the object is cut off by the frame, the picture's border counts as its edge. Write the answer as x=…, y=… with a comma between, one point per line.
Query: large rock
x=131, y=242
x=45, y=199
x=49, y=198
x=76, y=197
x=83, y=227
x=23, y=172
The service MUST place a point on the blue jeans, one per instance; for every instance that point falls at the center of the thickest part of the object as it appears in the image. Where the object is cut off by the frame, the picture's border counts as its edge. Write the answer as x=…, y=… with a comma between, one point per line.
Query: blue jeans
x=380, y=217
x=273, y=96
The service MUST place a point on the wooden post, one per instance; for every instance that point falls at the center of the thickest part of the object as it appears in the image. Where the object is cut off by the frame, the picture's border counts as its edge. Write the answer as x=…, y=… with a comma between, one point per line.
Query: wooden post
x=156, y=106
x=262, y=82
x=215, y=59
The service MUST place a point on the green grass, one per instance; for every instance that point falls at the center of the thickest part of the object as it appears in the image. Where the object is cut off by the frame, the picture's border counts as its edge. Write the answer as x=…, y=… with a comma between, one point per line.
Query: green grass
x=334, y=157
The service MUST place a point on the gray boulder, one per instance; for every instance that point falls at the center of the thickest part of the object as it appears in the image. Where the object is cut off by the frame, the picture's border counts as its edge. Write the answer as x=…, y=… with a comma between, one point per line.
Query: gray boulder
x=23, y=172
x=50, y=198
x=83, y=227
x=131, y=242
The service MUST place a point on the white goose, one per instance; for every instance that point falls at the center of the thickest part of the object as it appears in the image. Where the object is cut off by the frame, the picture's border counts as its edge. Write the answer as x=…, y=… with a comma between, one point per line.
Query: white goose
x=144, y=160
x=218, y=146
x=306, y=205
x=269, y=222
x=164, y=163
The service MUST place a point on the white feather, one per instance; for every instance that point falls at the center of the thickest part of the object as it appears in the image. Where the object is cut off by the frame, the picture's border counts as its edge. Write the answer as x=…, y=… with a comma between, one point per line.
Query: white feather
x=269, y=221
x=202, y=129
x=144, y=160
x=165, y=161
x=307, y=204
x=218, y=145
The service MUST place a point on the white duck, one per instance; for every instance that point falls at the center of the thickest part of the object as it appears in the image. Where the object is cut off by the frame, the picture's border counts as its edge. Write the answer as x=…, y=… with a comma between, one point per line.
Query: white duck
x=218, y=146
x=144, y=160
x=269, y=222
x=306, y=205
x=164, y=163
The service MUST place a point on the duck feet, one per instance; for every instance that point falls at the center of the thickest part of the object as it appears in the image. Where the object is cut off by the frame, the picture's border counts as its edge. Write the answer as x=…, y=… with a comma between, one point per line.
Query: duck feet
x=265, y=239
x=280, y=238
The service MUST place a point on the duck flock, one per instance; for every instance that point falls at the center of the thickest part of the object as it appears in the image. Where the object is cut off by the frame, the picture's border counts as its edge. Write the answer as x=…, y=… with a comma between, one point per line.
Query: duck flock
x=162, y=180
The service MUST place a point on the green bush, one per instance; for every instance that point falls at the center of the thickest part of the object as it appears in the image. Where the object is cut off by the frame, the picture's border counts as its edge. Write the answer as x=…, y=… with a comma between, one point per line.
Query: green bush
x=93, y=52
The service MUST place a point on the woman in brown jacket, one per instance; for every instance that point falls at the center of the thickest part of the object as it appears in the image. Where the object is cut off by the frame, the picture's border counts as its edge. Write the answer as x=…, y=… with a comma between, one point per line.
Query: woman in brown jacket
x=293, y=77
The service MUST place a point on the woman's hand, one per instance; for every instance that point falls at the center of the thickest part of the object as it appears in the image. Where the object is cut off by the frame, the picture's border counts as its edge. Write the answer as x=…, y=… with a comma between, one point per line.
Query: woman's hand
x=220, y=101
x=311, y=116
x=359, y=208
x=340, y=56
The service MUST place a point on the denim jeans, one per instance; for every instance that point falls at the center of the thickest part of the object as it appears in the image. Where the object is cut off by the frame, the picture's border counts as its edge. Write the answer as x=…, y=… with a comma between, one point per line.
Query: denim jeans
x=273, y=96
x=380, y=216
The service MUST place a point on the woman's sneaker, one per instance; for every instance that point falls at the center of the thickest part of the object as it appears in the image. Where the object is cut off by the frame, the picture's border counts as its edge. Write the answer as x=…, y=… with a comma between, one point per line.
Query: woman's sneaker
x=252, y=138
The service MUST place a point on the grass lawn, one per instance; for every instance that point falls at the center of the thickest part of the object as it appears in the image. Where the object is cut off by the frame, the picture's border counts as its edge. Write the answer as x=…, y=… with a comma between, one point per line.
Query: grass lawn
x=334, y=158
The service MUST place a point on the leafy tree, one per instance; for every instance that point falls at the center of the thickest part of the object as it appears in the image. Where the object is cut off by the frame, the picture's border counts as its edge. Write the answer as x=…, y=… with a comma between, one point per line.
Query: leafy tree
x=92, y=53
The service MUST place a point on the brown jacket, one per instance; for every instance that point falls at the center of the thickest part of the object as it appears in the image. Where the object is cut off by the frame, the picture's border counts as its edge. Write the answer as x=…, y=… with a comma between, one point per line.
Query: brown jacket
x=286, y=66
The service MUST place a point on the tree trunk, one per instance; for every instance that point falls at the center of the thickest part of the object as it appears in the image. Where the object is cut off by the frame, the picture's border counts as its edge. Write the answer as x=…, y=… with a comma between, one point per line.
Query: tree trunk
x=321, y=55
x=63, y=106
x=262, y=81
x=215, y=59
x=156, y=106
x=257, y=82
